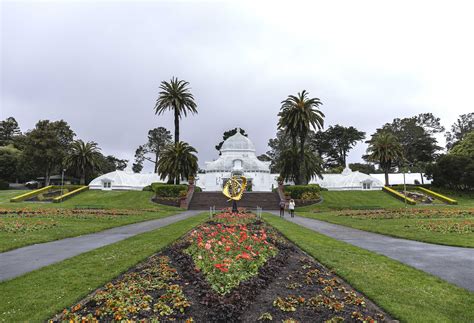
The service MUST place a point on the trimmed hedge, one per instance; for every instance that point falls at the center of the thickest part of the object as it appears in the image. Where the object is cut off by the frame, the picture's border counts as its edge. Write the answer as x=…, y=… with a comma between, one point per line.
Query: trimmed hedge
x=438, y=196
x=297, y=191
x=398, y=195
x=168, y=190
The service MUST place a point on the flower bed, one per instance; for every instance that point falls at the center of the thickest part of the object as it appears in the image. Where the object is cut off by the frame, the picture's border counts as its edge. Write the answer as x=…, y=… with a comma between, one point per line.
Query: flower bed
x=67, y=213
x=18, y=226
x=227, y=270
x=450, y=226
x=407, y=214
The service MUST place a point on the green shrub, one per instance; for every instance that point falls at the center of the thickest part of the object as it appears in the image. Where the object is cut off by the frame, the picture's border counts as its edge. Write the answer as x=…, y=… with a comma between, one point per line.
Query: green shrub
x=297, y=191
x=147, y=188
x=168, y=190
x=4, y=185
x=197, y=189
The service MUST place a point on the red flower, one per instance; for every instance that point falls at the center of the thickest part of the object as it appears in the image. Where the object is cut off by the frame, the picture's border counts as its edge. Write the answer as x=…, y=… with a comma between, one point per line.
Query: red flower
x=222, y=267
x=244, y=255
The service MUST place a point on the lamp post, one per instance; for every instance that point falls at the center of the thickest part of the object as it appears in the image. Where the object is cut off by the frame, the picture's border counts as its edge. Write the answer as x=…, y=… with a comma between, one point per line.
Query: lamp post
x=405, y=184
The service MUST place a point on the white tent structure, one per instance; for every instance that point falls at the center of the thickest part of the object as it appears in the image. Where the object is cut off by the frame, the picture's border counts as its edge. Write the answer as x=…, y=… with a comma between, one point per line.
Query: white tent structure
x=397, y=178
x=123, y=180
x=348, y=180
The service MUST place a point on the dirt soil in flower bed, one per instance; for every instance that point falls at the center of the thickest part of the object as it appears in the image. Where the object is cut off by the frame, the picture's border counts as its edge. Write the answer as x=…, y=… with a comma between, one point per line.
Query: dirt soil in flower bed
x=289, y=287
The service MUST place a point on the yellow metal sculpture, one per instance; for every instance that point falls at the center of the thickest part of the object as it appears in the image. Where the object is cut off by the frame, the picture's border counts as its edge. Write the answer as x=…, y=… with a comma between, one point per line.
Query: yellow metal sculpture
x=235, y=188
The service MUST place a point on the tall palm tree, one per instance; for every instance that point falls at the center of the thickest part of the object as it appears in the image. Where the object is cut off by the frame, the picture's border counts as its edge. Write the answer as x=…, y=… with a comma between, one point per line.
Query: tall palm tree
x=178, y=161
x=298, y=115
x=83, y=157
x=385, y=150
x=176, y=96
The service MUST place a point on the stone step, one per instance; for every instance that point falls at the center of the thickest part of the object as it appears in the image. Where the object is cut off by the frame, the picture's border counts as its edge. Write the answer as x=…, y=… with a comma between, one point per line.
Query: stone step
x=205, y=200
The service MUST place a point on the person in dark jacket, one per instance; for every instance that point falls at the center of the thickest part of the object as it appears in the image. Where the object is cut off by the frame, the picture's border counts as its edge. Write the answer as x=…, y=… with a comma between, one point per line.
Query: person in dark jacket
x=282, y=208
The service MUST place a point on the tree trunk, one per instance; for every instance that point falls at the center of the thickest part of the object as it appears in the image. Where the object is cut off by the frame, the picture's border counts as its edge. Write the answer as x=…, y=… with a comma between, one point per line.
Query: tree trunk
x=46, y=176
x=176, y=125
x=83, y=176
x=422, y=181
x=297, y=166
x=301, y=162
x=156, y=162
x=386, y=177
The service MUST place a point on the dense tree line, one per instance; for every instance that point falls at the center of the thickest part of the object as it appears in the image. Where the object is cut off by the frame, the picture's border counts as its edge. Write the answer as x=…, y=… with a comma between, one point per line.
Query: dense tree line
x=46, y=150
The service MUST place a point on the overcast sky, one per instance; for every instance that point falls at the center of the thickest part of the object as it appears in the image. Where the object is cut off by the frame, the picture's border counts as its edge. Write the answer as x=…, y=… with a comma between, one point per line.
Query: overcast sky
x=98, y=65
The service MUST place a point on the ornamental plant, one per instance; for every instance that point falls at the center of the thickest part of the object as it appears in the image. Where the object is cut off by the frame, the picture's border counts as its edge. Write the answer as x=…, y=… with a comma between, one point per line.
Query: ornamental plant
x=231, y=251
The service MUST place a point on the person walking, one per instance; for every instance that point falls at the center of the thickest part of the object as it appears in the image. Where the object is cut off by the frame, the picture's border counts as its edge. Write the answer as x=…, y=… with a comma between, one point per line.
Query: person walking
x=291, y=207
x=282, y=208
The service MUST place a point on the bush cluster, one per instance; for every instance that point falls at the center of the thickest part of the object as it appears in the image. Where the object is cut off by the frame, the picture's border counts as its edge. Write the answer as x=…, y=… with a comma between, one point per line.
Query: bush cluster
x=297, y=191
x=4, y=185
x=168, y=190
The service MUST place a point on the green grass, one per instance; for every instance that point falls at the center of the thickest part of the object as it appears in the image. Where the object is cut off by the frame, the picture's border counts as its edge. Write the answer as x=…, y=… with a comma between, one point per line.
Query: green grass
x=103, y=199
x=6, y=195
x=406, y=293
x=401, y=228
x=337, y=200
x=70, y=227
x=354, y=199
x=39, y=295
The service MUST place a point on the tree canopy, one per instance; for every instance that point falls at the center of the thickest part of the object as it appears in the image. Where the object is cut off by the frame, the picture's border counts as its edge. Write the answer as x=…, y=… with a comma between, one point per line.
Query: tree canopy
x=8, y=130
x=385, y=150
x=158, y=138
x=463, y=125
x=335, y=143
x=83, y=157
x=178, y=161
x=47, y=145
x=175, y=96
x=298, y=116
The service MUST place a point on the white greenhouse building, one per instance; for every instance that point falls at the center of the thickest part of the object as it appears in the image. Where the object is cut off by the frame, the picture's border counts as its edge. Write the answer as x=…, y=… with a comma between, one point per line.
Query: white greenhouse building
x=348, y=180
x=238, y=157
x=123, y=180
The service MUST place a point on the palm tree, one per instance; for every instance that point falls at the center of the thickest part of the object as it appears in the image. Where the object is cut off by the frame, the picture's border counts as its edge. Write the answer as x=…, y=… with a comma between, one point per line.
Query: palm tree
x=178, y=161
x=385, y=150
x=175, y=96
x=83, y=157
x=311, y=165
x=298, y=114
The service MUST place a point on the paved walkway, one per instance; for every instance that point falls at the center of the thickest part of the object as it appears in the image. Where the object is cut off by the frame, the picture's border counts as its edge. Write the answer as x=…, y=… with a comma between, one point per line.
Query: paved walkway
x=453, y=264
x=19, y=261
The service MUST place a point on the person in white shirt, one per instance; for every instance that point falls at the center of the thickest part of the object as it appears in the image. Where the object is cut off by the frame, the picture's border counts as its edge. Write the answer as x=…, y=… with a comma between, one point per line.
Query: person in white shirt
x=291, y=207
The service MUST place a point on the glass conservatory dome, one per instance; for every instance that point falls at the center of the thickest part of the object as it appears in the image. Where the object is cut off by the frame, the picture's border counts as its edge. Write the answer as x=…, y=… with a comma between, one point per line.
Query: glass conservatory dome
x=237, y=142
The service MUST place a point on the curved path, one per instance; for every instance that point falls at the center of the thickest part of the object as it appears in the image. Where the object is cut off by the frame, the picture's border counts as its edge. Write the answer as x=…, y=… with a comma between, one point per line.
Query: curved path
x=453, y=264
x=20, y=261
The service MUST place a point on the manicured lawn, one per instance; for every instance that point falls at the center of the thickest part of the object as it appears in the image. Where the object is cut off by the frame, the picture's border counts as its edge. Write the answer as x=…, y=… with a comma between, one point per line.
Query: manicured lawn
x=6, y=195
x=21, y=230
x=406, y=293
x=403, y=228
x=93, y=198
x=39, y=295
x=337, y=200
x=354, y=200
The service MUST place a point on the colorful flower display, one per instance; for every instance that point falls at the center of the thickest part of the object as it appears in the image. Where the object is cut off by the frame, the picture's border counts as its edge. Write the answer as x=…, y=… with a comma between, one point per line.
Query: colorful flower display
x=230, y=250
